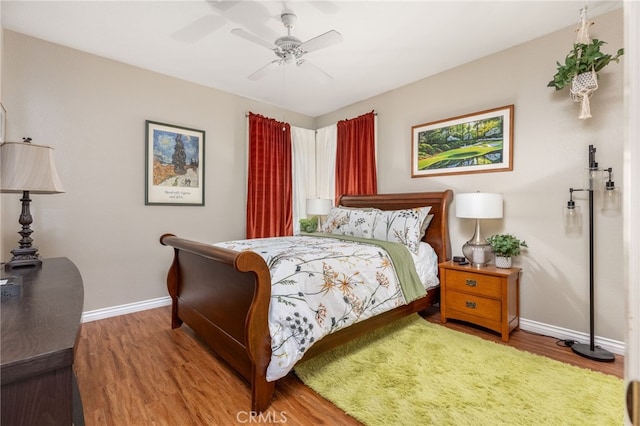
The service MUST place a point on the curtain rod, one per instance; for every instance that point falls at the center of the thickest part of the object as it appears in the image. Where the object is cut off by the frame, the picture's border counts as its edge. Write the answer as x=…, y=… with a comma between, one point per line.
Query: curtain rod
x=246, y=114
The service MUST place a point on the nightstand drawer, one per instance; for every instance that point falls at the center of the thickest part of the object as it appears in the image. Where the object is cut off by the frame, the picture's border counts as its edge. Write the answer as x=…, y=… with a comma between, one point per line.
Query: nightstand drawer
x=474, y=305
x=485, y=285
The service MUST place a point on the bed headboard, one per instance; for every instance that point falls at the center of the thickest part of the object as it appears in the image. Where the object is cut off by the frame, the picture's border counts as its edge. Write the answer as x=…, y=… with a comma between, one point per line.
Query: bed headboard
x=438, y=232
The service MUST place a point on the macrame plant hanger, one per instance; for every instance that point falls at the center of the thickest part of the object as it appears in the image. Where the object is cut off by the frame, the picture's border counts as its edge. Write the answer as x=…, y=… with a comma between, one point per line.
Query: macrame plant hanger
x=583, y=85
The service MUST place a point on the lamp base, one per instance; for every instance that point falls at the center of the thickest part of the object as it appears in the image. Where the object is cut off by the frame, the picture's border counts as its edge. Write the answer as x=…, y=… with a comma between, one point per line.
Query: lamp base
x=26, y=254
x=24, y=257
x=478, y=254
x=597, y=354
x=477, y=250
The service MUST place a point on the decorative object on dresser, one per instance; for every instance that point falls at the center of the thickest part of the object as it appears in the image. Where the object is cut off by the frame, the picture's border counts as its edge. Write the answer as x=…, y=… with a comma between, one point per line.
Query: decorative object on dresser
x=485, y=296
x=225, y=294
x=505, y=247
x=478, y=205
x=595, y=177
x=318, y=207
x=27, y=168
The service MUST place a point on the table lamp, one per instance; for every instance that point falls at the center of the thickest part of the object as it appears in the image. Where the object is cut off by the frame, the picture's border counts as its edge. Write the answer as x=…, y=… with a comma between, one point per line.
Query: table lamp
x=478, y=205
x=318, y=207
x=27, y=168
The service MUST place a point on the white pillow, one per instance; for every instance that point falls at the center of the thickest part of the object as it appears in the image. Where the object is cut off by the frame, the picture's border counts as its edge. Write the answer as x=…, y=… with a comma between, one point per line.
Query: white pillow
x=426, y=262
x=351, y=222
x=402, y=226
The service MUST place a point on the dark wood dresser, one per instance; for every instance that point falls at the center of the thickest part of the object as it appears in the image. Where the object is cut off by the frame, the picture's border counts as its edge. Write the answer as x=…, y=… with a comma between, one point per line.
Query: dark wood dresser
x=39, y=332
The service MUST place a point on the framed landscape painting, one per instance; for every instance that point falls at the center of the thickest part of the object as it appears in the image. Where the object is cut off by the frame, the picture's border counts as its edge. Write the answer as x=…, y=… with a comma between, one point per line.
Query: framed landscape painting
x=473, y=143
x=174, y=165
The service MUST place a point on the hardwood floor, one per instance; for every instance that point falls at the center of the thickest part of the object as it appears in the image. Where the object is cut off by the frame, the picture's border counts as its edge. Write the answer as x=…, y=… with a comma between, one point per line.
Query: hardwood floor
x=134, y=370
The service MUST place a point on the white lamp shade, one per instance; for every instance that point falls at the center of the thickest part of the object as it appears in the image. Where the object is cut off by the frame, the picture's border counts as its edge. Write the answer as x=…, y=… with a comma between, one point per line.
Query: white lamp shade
x=28, y=167
x=318, y=206
x=479, y=205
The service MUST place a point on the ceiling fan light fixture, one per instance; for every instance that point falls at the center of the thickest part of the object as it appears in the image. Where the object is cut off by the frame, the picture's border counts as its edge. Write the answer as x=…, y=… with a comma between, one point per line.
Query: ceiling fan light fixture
x=290, y=58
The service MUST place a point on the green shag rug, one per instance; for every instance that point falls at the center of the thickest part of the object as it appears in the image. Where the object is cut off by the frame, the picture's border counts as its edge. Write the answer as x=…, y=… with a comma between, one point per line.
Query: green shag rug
x=413, y=372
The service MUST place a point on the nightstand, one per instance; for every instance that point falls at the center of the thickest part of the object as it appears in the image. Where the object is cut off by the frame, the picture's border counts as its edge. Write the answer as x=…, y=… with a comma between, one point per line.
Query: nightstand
x=486, y=296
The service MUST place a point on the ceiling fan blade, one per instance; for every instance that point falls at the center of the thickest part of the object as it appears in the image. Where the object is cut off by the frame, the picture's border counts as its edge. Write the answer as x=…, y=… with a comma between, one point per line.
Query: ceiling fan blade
x=265, y=69
x=323, y=40
x=303, y=63
x=248, y=36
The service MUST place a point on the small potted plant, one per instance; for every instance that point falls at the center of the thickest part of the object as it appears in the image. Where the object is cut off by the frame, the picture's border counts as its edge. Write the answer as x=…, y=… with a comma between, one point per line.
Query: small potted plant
x=505, y=246
x=309, y=225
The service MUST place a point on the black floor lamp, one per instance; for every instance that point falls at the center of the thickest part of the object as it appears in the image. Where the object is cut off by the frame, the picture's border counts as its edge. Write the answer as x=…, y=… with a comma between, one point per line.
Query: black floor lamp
x=573, y=223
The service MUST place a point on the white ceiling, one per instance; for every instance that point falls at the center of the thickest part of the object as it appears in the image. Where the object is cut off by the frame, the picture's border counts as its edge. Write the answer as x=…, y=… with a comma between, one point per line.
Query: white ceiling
x=387, y=44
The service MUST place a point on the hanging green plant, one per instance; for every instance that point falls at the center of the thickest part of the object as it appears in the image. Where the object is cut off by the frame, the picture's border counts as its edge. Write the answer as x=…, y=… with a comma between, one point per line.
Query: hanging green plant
x=581, y=66
x=583, y=58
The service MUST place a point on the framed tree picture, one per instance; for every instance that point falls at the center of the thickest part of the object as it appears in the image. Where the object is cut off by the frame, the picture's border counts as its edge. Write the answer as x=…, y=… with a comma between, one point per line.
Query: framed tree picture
x=174, y=165
x=474, y=143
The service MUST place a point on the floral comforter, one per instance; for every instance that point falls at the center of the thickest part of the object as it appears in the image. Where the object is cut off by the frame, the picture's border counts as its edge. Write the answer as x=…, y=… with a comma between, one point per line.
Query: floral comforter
x=320, y=285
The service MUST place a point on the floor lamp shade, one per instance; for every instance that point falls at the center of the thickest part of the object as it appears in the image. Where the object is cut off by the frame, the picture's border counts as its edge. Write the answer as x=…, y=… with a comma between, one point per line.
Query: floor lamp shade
x=27, y=168
x=478, y=205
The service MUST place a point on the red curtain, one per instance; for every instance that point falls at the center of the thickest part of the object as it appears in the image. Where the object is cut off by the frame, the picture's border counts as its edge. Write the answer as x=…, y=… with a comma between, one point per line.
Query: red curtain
x=356, y=157
x=269, y=206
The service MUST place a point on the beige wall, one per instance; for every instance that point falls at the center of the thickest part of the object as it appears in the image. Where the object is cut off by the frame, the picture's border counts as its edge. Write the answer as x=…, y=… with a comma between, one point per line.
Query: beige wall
x=92, y=110
x=550, y=155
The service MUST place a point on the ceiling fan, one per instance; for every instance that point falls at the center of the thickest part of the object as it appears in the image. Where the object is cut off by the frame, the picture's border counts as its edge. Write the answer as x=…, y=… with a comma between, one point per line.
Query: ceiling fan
x=290, y=49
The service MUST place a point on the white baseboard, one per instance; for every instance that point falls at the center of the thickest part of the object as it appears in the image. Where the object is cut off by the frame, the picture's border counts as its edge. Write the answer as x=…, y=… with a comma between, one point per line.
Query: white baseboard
x=533, y=326
x=129, y=308
x=613, y=346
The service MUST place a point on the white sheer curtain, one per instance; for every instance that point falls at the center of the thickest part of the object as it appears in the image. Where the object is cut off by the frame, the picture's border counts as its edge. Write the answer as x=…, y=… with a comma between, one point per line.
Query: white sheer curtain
x=303, y=146
x=314, y=167
x=326, y=144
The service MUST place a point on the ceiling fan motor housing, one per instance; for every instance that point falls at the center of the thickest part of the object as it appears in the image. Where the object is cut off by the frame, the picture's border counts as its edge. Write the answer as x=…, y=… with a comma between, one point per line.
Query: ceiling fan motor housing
x=289, y=45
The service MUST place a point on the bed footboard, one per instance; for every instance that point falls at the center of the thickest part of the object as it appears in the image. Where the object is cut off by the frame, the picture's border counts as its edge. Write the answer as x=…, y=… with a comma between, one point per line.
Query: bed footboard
x=224, y=295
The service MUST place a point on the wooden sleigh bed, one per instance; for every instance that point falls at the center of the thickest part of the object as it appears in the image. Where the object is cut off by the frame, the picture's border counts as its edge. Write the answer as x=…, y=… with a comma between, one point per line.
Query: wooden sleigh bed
x=224, y=295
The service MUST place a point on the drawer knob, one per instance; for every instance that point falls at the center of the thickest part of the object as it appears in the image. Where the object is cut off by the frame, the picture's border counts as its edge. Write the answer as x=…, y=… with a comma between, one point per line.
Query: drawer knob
x=472, y=283
x=470, y=305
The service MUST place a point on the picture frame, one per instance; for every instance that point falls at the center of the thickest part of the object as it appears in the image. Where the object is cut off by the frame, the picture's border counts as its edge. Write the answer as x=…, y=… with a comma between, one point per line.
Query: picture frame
x=3, y=114
x=479, y=142
x=174, y=169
